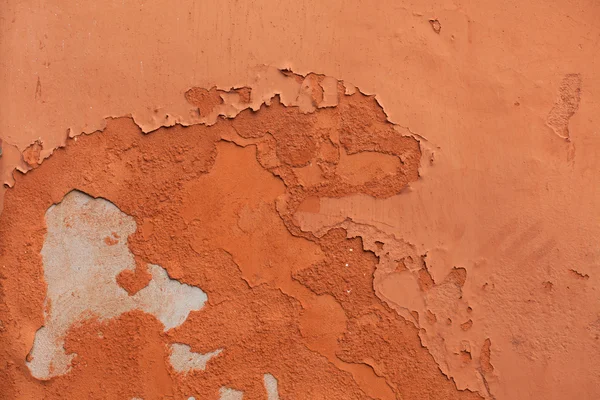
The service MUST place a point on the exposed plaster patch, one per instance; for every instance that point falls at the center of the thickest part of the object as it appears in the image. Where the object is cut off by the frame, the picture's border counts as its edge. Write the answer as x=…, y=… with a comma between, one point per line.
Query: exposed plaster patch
x=80, y=268
x=230, y=394
x=271, y=386
x=205, y=107
x=184, y=360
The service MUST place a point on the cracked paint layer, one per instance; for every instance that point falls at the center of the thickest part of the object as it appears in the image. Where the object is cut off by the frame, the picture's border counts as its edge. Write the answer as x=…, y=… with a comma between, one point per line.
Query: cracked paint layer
x=184, y=360
x=214, y=206
x=271, y=387
x=315, y=154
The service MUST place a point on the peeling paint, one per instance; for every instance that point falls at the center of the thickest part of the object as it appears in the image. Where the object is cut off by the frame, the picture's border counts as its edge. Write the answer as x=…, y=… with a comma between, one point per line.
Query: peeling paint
x=479, y=242
x=80, y=269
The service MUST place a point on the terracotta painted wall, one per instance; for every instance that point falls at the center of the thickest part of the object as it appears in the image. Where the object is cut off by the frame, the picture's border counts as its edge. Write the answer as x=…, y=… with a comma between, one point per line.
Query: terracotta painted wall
x=300, y=200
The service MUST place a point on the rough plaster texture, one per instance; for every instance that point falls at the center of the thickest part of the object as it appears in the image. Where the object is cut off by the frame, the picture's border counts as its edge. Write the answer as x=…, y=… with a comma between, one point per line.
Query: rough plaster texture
x=487, y=254
x=84, y=250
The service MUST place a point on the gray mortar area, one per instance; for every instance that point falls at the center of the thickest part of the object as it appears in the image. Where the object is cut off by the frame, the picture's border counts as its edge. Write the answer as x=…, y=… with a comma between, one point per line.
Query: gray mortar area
x=80, y=268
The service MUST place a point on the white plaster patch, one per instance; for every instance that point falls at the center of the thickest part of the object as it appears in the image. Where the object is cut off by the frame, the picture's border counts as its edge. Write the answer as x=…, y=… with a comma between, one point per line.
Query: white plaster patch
x=84, y=251
x=271, y=387
x=184, y=360
x=230, y=394
x=270, y=383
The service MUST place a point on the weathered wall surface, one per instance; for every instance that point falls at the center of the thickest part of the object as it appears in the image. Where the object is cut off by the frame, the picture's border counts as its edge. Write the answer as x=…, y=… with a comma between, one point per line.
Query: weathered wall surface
x=413, y=212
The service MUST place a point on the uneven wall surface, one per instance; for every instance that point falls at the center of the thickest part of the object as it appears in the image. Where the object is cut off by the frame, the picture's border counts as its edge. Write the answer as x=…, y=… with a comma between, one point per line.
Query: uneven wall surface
x=299, y=200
